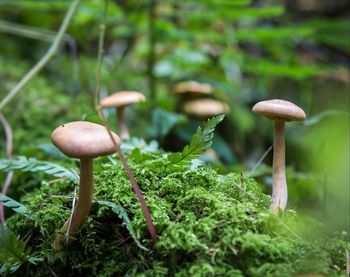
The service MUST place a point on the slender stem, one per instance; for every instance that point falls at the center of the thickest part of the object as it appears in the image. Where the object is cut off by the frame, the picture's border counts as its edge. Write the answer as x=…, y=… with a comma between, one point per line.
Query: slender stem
x=152, y=44
x=100, y=53
x=279, y=189
x=9, y=147
x=82, y=208
x=29, y=32
x=123, y=129
x=45, y=59
x=137, y=190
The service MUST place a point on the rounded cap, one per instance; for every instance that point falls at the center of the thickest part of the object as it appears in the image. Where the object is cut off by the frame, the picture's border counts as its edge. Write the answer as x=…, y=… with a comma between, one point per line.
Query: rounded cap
x=205, y=107
x=82, y=139
x=193, y=87
x=277, y=109
x=122, y=98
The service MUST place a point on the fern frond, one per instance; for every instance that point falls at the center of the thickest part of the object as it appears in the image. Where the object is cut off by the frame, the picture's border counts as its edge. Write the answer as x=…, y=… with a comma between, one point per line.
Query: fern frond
x=123, y=215
x=200, y=141
x=33, y=165
x=13, y=252
x=15, y=206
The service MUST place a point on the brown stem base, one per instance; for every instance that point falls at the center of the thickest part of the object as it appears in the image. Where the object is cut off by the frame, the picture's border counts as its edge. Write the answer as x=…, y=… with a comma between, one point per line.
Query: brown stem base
x=82, y=208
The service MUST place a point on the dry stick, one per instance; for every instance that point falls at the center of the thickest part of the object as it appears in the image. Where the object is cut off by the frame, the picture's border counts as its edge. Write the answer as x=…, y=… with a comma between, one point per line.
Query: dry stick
x=9, y=146
x=135, y=186
x=45, y=59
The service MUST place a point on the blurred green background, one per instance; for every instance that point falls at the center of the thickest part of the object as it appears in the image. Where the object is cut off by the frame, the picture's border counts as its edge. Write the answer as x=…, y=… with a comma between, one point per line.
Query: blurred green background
x=246, y=50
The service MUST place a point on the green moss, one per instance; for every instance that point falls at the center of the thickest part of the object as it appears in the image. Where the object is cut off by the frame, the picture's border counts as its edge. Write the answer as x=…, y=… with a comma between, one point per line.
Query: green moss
x=208, y=225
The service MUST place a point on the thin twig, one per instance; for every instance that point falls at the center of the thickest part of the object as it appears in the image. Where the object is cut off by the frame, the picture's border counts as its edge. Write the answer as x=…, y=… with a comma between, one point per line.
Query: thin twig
x=30, y=32
x=9, y=147
x=45, y=59
x=71, y=213
x=100, y=55
x=260, y=161
x=135, y=186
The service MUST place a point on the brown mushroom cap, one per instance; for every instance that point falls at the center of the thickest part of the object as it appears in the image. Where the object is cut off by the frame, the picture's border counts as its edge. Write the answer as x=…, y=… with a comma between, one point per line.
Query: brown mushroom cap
x=205, y=107
x=193, y=87
x=277, y=109
x=122, y=98
x=82, y=139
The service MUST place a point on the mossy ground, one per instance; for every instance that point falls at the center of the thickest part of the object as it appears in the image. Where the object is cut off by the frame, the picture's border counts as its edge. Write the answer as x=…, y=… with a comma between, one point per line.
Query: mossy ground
x=208, y=225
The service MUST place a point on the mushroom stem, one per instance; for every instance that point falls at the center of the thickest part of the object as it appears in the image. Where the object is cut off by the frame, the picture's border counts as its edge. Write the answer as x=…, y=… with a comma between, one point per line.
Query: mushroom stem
x=82, y=207
x=279, y=189
x=123, y=129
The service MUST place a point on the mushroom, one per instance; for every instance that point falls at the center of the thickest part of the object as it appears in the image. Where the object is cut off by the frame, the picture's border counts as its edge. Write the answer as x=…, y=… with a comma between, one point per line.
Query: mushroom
x=205, y=107
x=120, y=100
x=85, y=141
x=192, y=87
x=280, y=111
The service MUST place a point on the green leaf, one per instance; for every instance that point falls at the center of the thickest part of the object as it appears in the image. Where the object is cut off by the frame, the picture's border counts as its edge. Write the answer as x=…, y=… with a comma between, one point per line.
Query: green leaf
x=200, y=141
x=123, y=215
x=13, y=252
x=33, y=165
x=15, y=206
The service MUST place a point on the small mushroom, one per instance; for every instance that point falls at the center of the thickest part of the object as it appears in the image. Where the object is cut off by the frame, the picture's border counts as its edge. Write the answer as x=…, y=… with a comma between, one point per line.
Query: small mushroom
x=205, y=107
x=85, y=141
x=120, y=100
x=280, y=111
x=192, y=87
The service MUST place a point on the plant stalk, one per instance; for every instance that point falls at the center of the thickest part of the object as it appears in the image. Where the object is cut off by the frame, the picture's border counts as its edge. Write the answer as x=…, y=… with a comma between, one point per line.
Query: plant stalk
x=137, y=190
x=279, y=189
x=152, y=45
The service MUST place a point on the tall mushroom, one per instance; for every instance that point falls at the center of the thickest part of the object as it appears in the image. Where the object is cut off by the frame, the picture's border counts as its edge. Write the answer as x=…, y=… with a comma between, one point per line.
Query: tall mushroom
x=120, y=100
x=280, y=111
x=85, y=141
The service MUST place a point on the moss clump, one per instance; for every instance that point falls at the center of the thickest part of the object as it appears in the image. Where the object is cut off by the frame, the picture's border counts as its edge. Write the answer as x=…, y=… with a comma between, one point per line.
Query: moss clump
x=208, y=225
